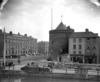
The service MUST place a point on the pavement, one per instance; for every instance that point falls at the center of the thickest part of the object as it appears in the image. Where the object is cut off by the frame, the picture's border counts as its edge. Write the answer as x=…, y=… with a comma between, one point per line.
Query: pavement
x=24, y=61
x=70, y=71
x=16, y=67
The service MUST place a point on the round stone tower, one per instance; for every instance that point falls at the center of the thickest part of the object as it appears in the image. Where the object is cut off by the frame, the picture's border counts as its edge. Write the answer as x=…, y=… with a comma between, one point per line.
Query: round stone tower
x=58, y=41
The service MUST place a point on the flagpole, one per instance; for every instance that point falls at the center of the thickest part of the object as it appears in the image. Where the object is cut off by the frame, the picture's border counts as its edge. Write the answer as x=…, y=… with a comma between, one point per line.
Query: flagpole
x=61, y=17
x=51, y=18
x=4, y=54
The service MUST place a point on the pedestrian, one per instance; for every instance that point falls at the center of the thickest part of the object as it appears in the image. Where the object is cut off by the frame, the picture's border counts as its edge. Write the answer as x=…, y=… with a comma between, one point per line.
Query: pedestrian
x=9, y=65
x=13, y=66
x=18, y=61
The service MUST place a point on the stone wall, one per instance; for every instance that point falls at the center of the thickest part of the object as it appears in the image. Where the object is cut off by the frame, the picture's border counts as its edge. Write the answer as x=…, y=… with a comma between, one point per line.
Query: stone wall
x=58, y=42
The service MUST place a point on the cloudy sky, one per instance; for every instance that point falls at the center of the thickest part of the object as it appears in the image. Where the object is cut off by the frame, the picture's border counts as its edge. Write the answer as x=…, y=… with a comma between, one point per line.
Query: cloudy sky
x=33, y=17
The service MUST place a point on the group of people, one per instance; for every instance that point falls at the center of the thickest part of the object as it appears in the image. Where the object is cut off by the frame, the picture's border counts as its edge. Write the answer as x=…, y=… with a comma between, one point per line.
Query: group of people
x=10, y=64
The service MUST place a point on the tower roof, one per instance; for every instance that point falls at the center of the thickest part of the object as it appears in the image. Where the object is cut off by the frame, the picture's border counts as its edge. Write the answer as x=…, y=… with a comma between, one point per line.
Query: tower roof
x=61, y=26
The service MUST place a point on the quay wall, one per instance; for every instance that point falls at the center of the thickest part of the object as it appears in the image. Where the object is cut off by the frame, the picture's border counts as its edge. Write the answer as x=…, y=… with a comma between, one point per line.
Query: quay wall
x=51, y=75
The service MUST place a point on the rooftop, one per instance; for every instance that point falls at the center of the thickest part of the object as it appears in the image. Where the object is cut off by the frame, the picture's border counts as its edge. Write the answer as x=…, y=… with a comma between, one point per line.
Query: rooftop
x=61, y=26
x=83, y=34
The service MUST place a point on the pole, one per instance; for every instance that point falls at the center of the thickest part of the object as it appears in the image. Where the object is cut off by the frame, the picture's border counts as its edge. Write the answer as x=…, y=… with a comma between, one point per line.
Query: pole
x=83, y=59
x=4, y=54
x=61, y=17
x=51, y=18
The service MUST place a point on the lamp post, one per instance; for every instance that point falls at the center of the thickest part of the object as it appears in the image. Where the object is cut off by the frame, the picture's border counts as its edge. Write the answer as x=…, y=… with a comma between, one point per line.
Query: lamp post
x=83, y=59
x=4, y=51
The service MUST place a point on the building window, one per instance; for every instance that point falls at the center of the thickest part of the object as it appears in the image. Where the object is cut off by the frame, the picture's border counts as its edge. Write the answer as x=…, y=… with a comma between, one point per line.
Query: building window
x=88, y=38
x=94, y=40
x=74, y=46
x=9, y=52
x=80, y=46
x=52, y=42
x=74, y=40
x=80, y=40
x=94, y=48
x=74, y=52
x=80, y=52
x=16, y=52
x=88, y=48
x=94, y=54
x=6, y=53
x=6, y=40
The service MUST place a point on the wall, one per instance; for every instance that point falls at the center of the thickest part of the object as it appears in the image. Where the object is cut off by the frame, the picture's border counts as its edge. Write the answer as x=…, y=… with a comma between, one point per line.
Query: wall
x=58, y=42
x=43, y=47
x=77, y=43
x=18, y=44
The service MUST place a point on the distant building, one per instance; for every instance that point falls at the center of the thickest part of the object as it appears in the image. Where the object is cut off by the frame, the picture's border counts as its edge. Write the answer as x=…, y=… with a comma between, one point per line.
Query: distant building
x=43, y=47
x=59, y=41
x=17, y=44
x=84, y=47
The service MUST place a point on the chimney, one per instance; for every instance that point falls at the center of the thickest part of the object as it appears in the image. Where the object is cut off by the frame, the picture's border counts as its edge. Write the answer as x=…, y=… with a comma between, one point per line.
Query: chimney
x=25, y=35
x=68, y=27
x=18, y=33
x=86, y=30
x=10, y=32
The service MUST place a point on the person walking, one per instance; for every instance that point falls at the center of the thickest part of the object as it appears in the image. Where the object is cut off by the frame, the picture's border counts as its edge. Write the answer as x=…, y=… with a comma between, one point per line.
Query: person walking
x=18, y=61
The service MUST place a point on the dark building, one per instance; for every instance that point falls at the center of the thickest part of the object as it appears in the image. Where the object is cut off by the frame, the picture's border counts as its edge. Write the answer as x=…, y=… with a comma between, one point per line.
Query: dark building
x=58, y=41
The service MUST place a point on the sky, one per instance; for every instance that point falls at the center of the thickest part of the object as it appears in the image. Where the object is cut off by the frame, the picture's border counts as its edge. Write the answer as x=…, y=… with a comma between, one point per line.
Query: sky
x=33, y=17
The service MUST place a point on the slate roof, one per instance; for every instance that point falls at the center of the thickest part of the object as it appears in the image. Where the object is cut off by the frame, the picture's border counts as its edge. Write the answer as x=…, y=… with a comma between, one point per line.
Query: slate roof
x=61, y=26
x=83, y=34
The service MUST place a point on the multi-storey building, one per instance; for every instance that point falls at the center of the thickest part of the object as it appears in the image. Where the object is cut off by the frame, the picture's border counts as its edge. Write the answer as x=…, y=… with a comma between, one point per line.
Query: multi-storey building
x=16, y=44
x=43, y=47
x=58, y=41
x=84, y=47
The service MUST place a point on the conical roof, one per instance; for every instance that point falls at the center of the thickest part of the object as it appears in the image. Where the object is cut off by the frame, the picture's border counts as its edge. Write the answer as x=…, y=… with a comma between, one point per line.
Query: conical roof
x=61, y=26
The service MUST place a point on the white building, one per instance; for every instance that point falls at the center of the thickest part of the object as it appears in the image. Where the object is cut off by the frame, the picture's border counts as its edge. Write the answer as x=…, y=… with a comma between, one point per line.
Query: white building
x=84, y=47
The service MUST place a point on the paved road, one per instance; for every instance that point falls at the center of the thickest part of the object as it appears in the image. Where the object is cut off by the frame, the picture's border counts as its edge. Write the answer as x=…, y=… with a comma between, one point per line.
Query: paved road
x=33, y=58
x=24, y=61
